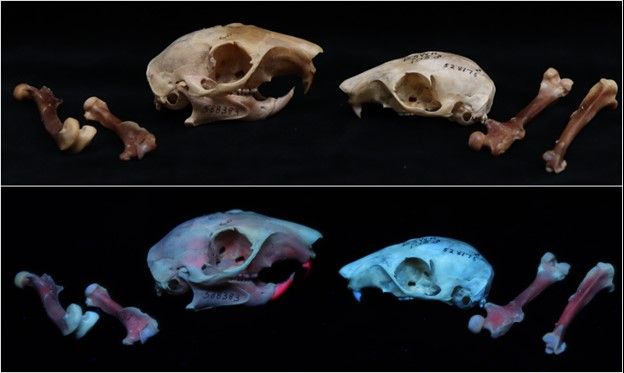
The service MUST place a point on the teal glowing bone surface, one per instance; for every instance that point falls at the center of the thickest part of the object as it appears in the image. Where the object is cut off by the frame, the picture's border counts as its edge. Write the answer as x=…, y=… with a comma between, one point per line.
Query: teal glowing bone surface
x=432, y=268
x=221, y=257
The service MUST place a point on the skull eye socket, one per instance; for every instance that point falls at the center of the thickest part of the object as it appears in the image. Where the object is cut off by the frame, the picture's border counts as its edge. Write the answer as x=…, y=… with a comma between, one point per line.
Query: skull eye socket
x=415, y=90
x=232, y=248
x=231, y=63
x=415, y=274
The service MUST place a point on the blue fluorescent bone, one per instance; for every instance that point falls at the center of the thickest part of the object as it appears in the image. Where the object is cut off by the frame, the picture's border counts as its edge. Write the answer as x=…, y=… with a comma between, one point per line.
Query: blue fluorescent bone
x=357, y=295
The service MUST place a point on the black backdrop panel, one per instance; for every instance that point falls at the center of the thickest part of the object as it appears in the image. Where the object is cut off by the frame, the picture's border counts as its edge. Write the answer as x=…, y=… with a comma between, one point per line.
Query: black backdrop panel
x=85, y=49
x=86, y=235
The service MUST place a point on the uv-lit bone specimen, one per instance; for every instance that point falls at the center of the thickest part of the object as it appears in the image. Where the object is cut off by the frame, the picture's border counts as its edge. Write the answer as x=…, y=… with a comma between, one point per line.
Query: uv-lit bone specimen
x=70, y=320
x=601, y=95
x=68, y=134
x=430, y=84
x=139, y=325
x=218, y=71
x=598, y=278
x=231, y=258
x=137, y=140
x=500, y=136
x=500, y=319
x=433, y=268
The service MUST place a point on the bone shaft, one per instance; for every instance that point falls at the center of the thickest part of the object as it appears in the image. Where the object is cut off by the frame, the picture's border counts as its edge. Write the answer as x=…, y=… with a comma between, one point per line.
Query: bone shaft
x=533, y=109
x=105, y=118
x=48, y=292
x=588, y=289
x=102, y=300
x=47, y=104
x=578, y=120
x=536, y=288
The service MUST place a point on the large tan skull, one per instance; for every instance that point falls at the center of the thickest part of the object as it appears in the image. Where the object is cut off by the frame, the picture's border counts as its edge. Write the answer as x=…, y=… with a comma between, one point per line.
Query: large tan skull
x=431, y=84
x=218, y=70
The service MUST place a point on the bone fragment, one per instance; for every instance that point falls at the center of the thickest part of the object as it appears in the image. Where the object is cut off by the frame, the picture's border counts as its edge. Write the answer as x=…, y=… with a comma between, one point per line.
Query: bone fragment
x=70, y=320
x=139, y=326
x=601, y=95
x=598, y=278
x=500, y=136
x=137, y=140
x=68, y=134
x=499, y=319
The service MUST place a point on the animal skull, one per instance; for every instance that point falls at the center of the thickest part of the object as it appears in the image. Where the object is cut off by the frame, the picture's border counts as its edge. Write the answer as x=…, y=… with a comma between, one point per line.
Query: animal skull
x=434, y=268
x=218, y=70
x=221, y=257
x=430, y=84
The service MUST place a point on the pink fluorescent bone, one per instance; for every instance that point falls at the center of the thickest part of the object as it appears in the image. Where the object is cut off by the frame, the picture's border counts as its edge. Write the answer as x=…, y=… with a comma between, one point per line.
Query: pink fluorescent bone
x=139, y=325
x=500, y=318
x=67, y=321
x=281, y=288
x=598, y=278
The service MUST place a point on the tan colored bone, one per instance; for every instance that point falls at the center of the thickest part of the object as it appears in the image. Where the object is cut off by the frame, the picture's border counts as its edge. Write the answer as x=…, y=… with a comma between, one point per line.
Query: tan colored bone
x=68, y=134
x=601, y=95
x=500, y=136
x=428, y=84
x=137, y=140
x=218, y=70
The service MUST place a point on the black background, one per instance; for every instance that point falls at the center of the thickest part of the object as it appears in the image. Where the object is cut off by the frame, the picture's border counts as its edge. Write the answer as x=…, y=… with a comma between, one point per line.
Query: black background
x=85, y=235
x=85, y=49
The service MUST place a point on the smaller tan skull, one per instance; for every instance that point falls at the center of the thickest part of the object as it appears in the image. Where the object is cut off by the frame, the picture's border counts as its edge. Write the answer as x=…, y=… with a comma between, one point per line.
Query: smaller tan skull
x=218, y=71
x=431, y=84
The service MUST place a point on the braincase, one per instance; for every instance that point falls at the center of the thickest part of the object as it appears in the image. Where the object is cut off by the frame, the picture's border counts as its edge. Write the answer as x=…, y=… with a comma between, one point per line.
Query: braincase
x=199, y=51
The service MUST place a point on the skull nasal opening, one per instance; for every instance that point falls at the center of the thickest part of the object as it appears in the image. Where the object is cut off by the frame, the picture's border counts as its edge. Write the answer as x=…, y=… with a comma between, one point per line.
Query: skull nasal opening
x=230, y=63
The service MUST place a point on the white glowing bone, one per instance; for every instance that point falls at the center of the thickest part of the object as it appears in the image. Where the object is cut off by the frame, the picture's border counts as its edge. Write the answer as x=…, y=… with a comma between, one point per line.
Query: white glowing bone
x=70, y=320
x=220, y=256
x=431, y=84
x=218, y=70
x=598, y=278
x=433, y=268
x=501, y=318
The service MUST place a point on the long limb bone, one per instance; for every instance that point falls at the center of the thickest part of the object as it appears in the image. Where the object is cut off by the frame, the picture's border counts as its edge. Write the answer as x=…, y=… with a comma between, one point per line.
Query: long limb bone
x=137, y=140
x=139, y=326
x=68, y=321
x=68, y=135
x=598, y=278
x=601, y=95
x=500, y=318
x=500, y=136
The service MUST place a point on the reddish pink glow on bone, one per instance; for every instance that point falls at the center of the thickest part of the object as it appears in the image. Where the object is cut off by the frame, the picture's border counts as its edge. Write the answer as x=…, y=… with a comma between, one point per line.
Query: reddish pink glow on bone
x=598, y=278
x=48, y=291
x=307, y=266
x=500, y=319
x=139, y=325
x=281, y=288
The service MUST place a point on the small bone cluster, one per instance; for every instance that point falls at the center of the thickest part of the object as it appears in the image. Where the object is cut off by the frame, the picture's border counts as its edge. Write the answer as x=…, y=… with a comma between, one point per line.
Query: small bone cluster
x=139, y=325
x=500, y=319
x=70, y=136
x=500, y=136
